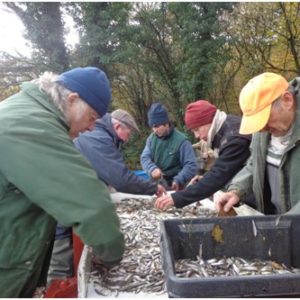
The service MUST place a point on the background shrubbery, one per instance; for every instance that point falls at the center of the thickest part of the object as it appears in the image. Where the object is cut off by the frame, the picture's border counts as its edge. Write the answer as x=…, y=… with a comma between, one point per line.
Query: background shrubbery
x=171, y=52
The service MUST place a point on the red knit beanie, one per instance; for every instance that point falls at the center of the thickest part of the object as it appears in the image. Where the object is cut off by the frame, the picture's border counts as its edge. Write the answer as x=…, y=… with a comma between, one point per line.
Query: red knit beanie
x=199, y=113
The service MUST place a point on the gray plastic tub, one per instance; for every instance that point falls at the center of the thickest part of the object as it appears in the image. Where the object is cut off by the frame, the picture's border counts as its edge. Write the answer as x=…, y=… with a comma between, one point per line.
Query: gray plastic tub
x=263, y=237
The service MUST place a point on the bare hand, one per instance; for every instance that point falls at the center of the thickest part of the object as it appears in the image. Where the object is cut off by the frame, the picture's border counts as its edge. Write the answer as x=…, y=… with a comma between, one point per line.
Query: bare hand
x=164, y=202
x=156, y=174
x=226, y=201
x=195, y=179
x=160, y=190
x=175, y=186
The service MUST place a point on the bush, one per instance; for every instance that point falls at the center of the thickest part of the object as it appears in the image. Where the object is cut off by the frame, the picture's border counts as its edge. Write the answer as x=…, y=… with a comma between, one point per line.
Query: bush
x=133, y=150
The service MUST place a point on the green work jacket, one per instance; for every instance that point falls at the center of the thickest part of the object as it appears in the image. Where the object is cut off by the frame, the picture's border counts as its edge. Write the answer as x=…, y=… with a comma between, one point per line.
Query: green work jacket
x=165, y=152
x=45, y=180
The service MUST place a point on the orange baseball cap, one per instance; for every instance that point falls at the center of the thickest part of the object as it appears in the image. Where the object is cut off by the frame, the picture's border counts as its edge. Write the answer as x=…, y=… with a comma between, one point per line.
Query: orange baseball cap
x=256, y=99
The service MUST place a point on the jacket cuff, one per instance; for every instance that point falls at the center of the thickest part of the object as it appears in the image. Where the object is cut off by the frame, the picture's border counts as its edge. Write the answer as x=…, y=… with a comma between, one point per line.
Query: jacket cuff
x=239, y=193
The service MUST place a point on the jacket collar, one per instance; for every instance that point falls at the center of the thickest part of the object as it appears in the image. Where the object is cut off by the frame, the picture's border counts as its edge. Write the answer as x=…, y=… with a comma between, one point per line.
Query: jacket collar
x=295, y=138
x=106, y=123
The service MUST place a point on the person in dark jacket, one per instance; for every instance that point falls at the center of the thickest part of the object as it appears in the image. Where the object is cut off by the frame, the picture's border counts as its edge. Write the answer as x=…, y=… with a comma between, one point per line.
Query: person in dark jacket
x=101, y=147
x=221, y=133
x=168, y=155
x=45, y=180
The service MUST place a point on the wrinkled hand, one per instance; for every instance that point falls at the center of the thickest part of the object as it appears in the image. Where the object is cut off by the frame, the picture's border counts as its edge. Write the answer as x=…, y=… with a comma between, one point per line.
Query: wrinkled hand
x=226, y=201
x=195, y=179
x=156, y=174
x=160, y=190
x=175, y=186
x=164, y=202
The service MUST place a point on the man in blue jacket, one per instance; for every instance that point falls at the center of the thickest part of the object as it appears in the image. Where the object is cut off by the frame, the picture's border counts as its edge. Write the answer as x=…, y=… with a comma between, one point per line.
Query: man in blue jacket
x=168, y=154
x=101, y=148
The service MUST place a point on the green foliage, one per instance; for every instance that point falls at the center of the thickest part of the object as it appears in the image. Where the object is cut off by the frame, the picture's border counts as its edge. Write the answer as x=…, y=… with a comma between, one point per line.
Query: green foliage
x=5, y=93
x=133, y=149
x=202, y=47
x=265, y=36
x=177, y=47
x=100, y=25
x=171, y=52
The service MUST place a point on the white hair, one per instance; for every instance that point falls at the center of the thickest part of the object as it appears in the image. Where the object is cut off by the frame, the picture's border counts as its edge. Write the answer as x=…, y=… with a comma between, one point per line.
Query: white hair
x=58, y=94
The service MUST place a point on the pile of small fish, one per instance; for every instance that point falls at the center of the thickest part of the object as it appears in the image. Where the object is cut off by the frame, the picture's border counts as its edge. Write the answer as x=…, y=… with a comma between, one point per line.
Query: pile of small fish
x=140, y=270
x=230, y=266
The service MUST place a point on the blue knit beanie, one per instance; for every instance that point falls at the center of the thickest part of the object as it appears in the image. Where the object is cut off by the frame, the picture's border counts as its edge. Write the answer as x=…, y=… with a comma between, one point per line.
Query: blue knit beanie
x=157, y=115
x=91, y=84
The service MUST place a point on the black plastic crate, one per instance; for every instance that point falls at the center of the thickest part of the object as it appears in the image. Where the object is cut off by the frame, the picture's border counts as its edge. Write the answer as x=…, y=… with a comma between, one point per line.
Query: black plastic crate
x=274, y=238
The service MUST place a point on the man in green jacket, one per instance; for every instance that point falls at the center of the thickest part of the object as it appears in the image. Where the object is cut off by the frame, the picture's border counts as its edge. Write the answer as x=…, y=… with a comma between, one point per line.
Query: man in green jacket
x=45, y=180
x=271, y=110
x=168, y=156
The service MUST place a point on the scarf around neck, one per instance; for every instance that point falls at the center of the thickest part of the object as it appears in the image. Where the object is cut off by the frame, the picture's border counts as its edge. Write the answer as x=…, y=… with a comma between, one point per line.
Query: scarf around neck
x=216, y=125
